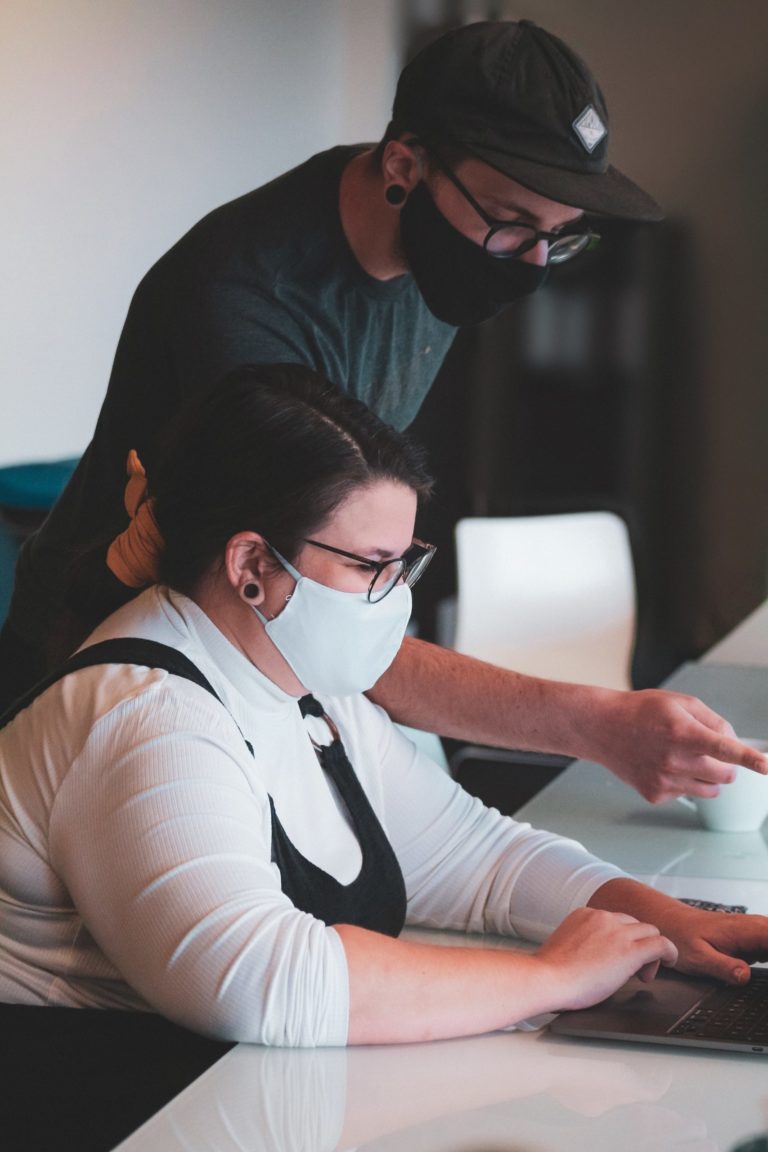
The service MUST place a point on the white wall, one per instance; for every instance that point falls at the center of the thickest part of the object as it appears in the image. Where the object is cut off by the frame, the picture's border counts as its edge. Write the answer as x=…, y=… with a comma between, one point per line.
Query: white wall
x=121, y=123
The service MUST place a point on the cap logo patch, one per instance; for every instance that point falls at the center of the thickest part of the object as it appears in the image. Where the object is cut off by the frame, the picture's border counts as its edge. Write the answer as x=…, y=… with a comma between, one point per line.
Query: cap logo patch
x=589, y=128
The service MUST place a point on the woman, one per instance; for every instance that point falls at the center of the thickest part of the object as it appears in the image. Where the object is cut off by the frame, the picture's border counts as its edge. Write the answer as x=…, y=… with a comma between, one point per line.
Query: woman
x=212, y=851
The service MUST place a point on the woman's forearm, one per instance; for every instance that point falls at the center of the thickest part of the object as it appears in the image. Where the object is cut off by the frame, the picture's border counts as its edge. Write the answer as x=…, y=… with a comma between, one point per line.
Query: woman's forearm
x=402, y=991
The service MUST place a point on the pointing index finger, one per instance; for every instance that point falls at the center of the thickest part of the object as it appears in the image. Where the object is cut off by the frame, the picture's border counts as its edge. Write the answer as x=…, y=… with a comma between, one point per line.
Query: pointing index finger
x=736, y=752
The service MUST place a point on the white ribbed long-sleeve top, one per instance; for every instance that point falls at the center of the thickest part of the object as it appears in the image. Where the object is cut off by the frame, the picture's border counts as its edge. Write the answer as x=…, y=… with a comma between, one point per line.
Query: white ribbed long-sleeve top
x=135, y=842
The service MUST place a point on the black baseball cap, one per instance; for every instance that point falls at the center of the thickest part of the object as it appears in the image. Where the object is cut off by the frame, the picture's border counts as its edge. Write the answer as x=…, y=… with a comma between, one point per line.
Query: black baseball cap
x=520, y=99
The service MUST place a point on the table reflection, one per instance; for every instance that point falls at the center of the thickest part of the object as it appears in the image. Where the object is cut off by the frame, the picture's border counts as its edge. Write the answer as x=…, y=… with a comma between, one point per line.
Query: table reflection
x=510, y=1092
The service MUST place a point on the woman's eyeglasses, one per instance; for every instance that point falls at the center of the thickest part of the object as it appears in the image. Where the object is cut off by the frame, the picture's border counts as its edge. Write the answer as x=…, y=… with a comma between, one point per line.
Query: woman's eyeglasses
x=409, y=567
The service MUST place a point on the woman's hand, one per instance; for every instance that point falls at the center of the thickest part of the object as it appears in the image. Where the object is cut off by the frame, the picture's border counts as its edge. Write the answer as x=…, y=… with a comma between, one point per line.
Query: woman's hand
x=717, y=944
x=593, y=952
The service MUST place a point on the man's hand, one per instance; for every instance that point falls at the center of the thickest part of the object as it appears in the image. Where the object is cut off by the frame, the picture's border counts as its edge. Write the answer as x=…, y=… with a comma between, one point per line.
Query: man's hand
x=662, y=743
x=666, y=744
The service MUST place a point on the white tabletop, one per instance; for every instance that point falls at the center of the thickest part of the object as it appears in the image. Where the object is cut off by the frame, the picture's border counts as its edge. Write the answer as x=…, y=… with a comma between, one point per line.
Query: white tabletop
x=513, y=1090
x=658, y=843
x=503, y=1091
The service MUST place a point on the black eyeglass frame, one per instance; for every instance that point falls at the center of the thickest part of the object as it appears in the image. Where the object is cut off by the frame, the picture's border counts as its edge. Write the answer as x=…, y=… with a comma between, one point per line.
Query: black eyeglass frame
x=571, y=232
x=410, y=572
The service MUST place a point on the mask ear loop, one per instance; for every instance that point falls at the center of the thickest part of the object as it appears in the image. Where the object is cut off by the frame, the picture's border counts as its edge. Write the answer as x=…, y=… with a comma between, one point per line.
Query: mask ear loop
x=294, y=572
x=420, y=154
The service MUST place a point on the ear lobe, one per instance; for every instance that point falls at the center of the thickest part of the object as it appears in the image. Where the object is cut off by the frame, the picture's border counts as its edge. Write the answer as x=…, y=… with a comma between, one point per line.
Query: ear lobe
x=252, y=593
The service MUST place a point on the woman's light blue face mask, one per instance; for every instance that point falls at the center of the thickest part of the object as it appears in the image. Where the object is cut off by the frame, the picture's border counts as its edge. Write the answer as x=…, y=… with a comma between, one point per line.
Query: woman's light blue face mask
x=337, y=643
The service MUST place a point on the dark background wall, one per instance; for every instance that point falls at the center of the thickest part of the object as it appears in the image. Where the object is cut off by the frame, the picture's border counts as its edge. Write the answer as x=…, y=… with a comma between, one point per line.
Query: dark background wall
x=638, y=381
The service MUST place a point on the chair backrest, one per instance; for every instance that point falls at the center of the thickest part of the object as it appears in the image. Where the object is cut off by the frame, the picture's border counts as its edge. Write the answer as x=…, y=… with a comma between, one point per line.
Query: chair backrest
x=551, y=596
x=27, y=492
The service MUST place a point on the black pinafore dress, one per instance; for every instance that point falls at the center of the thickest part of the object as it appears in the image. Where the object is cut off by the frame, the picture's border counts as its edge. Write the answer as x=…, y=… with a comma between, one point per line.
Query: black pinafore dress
x=376, y=898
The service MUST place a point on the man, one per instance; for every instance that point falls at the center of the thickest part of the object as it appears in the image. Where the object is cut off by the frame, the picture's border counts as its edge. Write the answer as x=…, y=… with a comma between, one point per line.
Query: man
x=361, y=263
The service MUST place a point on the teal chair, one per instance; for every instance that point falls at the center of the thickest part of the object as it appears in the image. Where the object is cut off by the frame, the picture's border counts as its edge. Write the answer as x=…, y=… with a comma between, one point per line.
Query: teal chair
x=27, y=492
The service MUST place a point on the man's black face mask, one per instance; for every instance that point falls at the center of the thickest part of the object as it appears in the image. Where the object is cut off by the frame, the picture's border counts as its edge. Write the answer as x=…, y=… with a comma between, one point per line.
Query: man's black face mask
x=461, y=283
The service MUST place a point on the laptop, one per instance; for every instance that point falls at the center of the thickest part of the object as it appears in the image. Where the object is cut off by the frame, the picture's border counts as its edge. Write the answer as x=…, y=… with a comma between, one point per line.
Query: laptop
x=686, y=1010
x=678, y=1009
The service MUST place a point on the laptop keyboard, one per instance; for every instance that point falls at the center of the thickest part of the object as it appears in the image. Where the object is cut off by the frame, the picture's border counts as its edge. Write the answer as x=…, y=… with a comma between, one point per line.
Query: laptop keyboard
x=738, y=1014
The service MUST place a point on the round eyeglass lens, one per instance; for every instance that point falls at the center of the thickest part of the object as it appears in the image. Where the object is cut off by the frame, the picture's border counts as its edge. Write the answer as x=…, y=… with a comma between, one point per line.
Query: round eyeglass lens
x=568, y=247
x=384, y=581
x=506, y=241
x=415, y=570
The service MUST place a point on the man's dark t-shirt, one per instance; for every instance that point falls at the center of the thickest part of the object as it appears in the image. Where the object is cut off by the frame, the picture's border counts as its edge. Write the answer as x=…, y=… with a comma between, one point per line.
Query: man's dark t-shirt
x=267, y=278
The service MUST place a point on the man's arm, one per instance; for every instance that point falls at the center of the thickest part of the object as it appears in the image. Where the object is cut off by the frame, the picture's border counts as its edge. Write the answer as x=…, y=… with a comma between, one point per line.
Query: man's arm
x=662, y=743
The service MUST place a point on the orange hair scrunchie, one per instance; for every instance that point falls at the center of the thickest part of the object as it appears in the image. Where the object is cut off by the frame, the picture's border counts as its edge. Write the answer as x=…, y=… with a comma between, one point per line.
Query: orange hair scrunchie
x=134, y=555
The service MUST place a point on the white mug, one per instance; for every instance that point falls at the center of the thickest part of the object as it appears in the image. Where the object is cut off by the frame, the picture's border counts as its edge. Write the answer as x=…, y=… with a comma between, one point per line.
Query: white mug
x=742, y=805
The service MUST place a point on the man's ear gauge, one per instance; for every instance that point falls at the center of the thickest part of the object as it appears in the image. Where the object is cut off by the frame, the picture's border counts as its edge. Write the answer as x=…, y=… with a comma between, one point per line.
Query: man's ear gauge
x=395, y=195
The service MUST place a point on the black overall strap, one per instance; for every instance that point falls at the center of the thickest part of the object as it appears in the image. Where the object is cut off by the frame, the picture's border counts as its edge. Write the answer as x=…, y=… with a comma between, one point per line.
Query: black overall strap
x=376, y=898
x=123, y=650
x=132, y=1062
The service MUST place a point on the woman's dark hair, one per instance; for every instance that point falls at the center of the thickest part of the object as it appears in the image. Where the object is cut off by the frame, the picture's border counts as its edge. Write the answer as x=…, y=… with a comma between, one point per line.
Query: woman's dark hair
x=273, y=449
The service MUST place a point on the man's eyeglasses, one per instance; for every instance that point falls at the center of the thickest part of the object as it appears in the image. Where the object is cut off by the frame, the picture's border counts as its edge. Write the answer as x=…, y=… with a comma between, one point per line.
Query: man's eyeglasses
x=409, y=567
x=506, y=238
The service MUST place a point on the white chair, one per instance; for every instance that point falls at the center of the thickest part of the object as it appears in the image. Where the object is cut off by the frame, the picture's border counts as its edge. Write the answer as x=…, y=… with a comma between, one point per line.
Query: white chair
x=551, y=596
